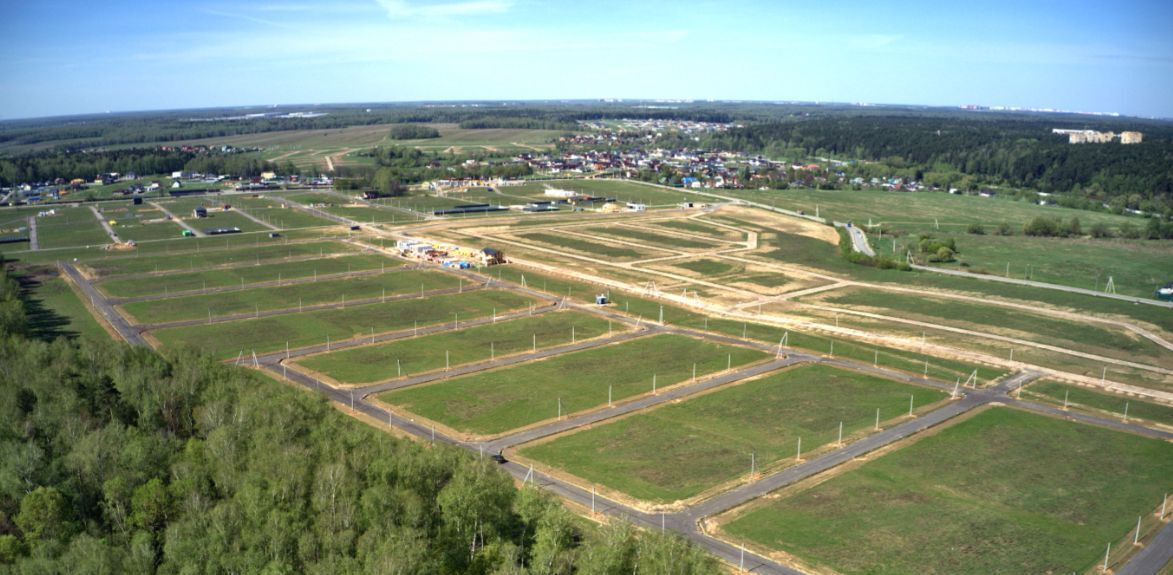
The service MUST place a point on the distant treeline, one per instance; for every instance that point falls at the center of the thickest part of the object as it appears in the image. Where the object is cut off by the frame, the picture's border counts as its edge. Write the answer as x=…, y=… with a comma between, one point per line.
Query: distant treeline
x=119, y=459
x=50, y=165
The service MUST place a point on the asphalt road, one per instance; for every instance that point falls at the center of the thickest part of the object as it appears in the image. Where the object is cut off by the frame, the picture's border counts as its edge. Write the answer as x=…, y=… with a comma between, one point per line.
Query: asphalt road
x=859, y=241
x=99, y=303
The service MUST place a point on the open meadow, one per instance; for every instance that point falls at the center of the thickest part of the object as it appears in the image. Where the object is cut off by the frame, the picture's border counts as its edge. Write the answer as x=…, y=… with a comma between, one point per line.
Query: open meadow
x=288, y=297
x=682, y=449
x=267, y=334
x=504, y=399
x=1003, y=491
x=370, y=364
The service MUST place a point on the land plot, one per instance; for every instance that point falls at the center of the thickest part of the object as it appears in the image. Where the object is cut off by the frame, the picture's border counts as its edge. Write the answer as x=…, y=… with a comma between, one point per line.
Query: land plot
x=594, y=248
x=193, y=259
x=288, y=297
x=270, y=334
x=51, y=306
x=364, y=214
x=651, y=238
x=680, y=450
x=374, y=363
x=708, y=268
x=499, y=400
x=1004, y=491
x=695, y=226
x=270, y=210
x=71, y=227
x=141, y=223
x=1099, y=402
x=177, y=282
x=1087, y=337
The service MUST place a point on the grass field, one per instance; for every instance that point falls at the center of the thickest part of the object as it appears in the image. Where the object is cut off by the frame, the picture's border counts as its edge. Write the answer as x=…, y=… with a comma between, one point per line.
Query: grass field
x=271, y=334
x=651, y=238
x=52, y=308
x=1002, y=492
x=288, y=297
x=706, y=267
x=70, y=227
x=183, y=281
x=371, y=215
x=1099, y=402
x=192, y=260
x=589, y=247
x=679, y=450
x=417, y=355
x=693, y=226
x=500, y=400
x=132, y=223
x=1092, y=338
x=270, y=210
x=1137, y=267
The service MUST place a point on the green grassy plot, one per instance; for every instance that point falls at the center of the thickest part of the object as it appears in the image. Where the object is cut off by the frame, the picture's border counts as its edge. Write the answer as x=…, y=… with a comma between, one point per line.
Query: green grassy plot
x=651, y=238
x=310, y=328
x=679, y=450
x=1005, y=491
x=1099, y=402
x=288, y=297
x=426, y=353
x=183, y=281
x=591, y=248
x=194, y=259
x=504, y=399
x=71, y=227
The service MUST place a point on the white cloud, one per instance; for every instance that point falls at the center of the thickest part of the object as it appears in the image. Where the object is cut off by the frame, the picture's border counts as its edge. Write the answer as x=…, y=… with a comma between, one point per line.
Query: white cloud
x=399, y=9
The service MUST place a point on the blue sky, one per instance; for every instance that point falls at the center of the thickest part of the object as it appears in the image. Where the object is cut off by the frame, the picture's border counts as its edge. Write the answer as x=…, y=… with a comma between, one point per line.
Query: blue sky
x=66, y=57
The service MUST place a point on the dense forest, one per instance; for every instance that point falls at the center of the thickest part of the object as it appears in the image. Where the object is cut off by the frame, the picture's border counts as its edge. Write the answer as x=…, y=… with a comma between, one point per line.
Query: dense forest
x=117, y=459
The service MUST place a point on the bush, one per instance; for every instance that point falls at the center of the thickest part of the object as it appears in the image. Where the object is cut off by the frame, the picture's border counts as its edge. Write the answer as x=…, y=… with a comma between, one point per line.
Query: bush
x=976, y=229
x=1101, y=230
x=1042, y=226
x=1004, y=229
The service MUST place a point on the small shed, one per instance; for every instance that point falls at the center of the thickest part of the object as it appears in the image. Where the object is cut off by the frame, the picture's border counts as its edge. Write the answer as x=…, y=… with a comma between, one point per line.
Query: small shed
x=200, y=212
x=492, y=256
x=601, y=299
